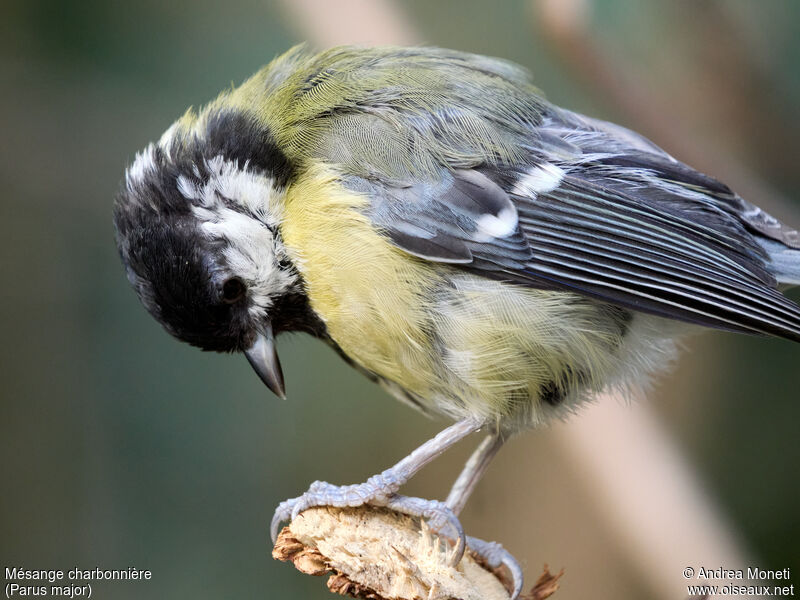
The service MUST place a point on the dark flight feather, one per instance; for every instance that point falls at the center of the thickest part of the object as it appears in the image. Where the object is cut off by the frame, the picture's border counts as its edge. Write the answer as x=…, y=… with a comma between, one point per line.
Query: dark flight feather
x=604, y=243
x=679, y=258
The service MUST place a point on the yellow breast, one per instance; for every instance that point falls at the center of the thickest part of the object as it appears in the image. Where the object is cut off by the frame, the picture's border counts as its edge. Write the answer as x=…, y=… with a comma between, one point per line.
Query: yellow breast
x=370, y=294
x=460, y=343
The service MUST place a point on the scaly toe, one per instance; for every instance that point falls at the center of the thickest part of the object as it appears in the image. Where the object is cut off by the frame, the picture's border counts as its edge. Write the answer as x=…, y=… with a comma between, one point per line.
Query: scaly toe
x=322, y=493
x=438, y=516
x=495, y=555
x=282, y=513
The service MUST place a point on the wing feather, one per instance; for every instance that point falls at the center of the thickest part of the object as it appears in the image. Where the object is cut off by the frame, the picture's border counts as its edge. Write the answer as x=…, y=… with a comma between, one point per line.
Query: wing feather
x=598, y=241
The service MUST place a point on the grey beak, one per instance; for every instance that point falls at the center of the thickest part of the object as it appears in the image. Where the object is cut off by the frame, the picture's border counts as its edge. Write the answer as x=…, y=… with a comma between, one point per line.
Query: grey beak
x=264, y=360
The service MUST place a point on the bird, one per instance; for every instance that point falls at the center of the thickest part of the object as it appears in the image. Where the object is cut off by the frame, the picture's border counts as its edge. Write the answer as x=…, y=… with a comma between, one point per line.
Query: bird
x=481, y=253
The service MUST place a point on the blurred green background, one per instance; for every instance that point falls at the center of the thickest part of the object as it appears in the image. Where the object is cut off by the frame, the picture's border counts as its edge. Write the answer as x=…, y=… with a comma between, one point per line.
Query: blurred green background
x=122, y=447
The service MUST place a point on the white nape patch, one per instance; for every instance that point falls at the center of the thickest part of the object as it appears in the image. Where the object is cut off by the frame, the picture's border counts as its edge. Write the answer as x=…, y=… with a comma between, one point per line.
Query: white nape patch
x=143, y=164
x=539, y=180
x=502, y=225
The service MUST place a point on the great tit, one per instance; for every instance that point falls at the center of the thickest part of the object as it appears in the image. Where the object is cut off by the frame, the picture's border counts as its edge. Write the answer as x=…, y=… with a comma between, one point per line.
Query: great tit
x=479, y=252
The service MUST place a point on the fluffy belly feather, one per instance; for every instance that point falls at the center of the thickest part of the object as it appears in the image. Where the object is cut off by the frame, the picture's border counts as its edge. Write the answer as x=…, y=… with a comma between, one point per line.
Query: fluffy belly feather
x=452, y=342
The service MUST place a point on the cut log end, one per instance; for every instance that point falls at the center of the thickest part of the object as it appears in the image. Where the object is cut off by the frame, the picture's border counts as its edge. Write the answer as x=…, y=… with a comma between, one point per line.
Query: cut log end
x=379, y=554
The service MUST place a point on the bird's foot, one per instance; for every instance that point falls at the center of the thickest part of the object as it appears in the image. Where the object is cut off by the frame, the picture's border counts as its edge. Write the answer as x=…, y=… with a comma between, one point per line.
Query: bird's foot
x=495, y=556
x=439, y=518
x=376, y=491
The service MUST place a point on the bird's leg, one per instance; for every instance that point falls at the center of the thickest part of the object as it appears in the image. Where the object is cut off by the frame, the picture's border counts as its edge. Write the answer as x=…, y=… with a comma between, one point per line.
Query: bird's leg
x=493, y=553
x=381, y=489
x=473, y=471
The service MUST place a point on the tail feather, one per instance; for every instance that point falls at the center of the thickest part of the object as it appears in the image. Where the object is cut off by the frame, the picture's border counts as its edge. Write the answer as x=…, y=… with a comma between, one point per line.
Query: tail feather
x=784, y=262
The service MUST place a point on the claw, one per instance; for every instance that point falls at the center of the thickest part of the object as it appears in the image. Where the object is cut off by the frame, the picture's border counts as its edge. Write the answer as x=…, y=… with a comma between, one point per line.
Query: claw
x=438, y=516
x=495, y=555
x=282, y=513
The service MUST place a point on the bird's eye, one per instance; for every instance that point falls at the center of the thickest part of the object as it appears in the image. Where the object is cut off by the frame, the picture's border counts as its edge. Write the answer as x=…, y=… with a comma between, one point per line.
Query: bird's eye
x=233, y=290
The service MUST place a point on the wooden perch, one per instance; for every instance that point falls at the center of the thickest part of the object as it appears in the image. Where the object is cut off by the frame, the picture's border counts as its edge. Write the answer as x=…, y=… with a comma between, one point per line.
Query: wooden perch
x=378, y=554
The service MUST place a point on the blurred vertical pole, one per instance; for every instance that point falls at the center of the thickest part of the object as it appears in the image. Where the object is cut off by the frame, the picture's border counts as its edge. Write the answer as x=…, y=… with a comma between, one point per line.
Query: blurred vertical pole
x=644, y=489
x=667, y=520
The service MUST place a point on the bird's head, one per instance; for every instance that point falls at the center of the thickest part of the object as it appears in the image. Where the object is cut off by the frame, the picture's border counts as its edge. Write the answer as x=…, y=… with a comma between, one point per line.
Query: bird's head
x=197, y=226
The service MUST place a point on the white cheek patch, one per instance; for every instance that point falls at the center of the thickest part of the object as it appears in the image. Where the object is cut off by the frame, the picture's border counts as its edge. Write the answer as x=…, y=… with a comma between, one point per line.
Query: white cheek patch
x=539, y=180
x=252, y=253
x=502, y=225
x=242, y=209
x=255, y=193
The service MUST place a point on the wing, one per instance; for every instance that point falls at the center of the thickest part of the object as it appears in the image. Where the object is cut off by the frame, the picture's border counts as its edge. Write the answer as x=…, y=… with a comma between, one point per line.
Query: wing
x=487, y=176
x=557, y=230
